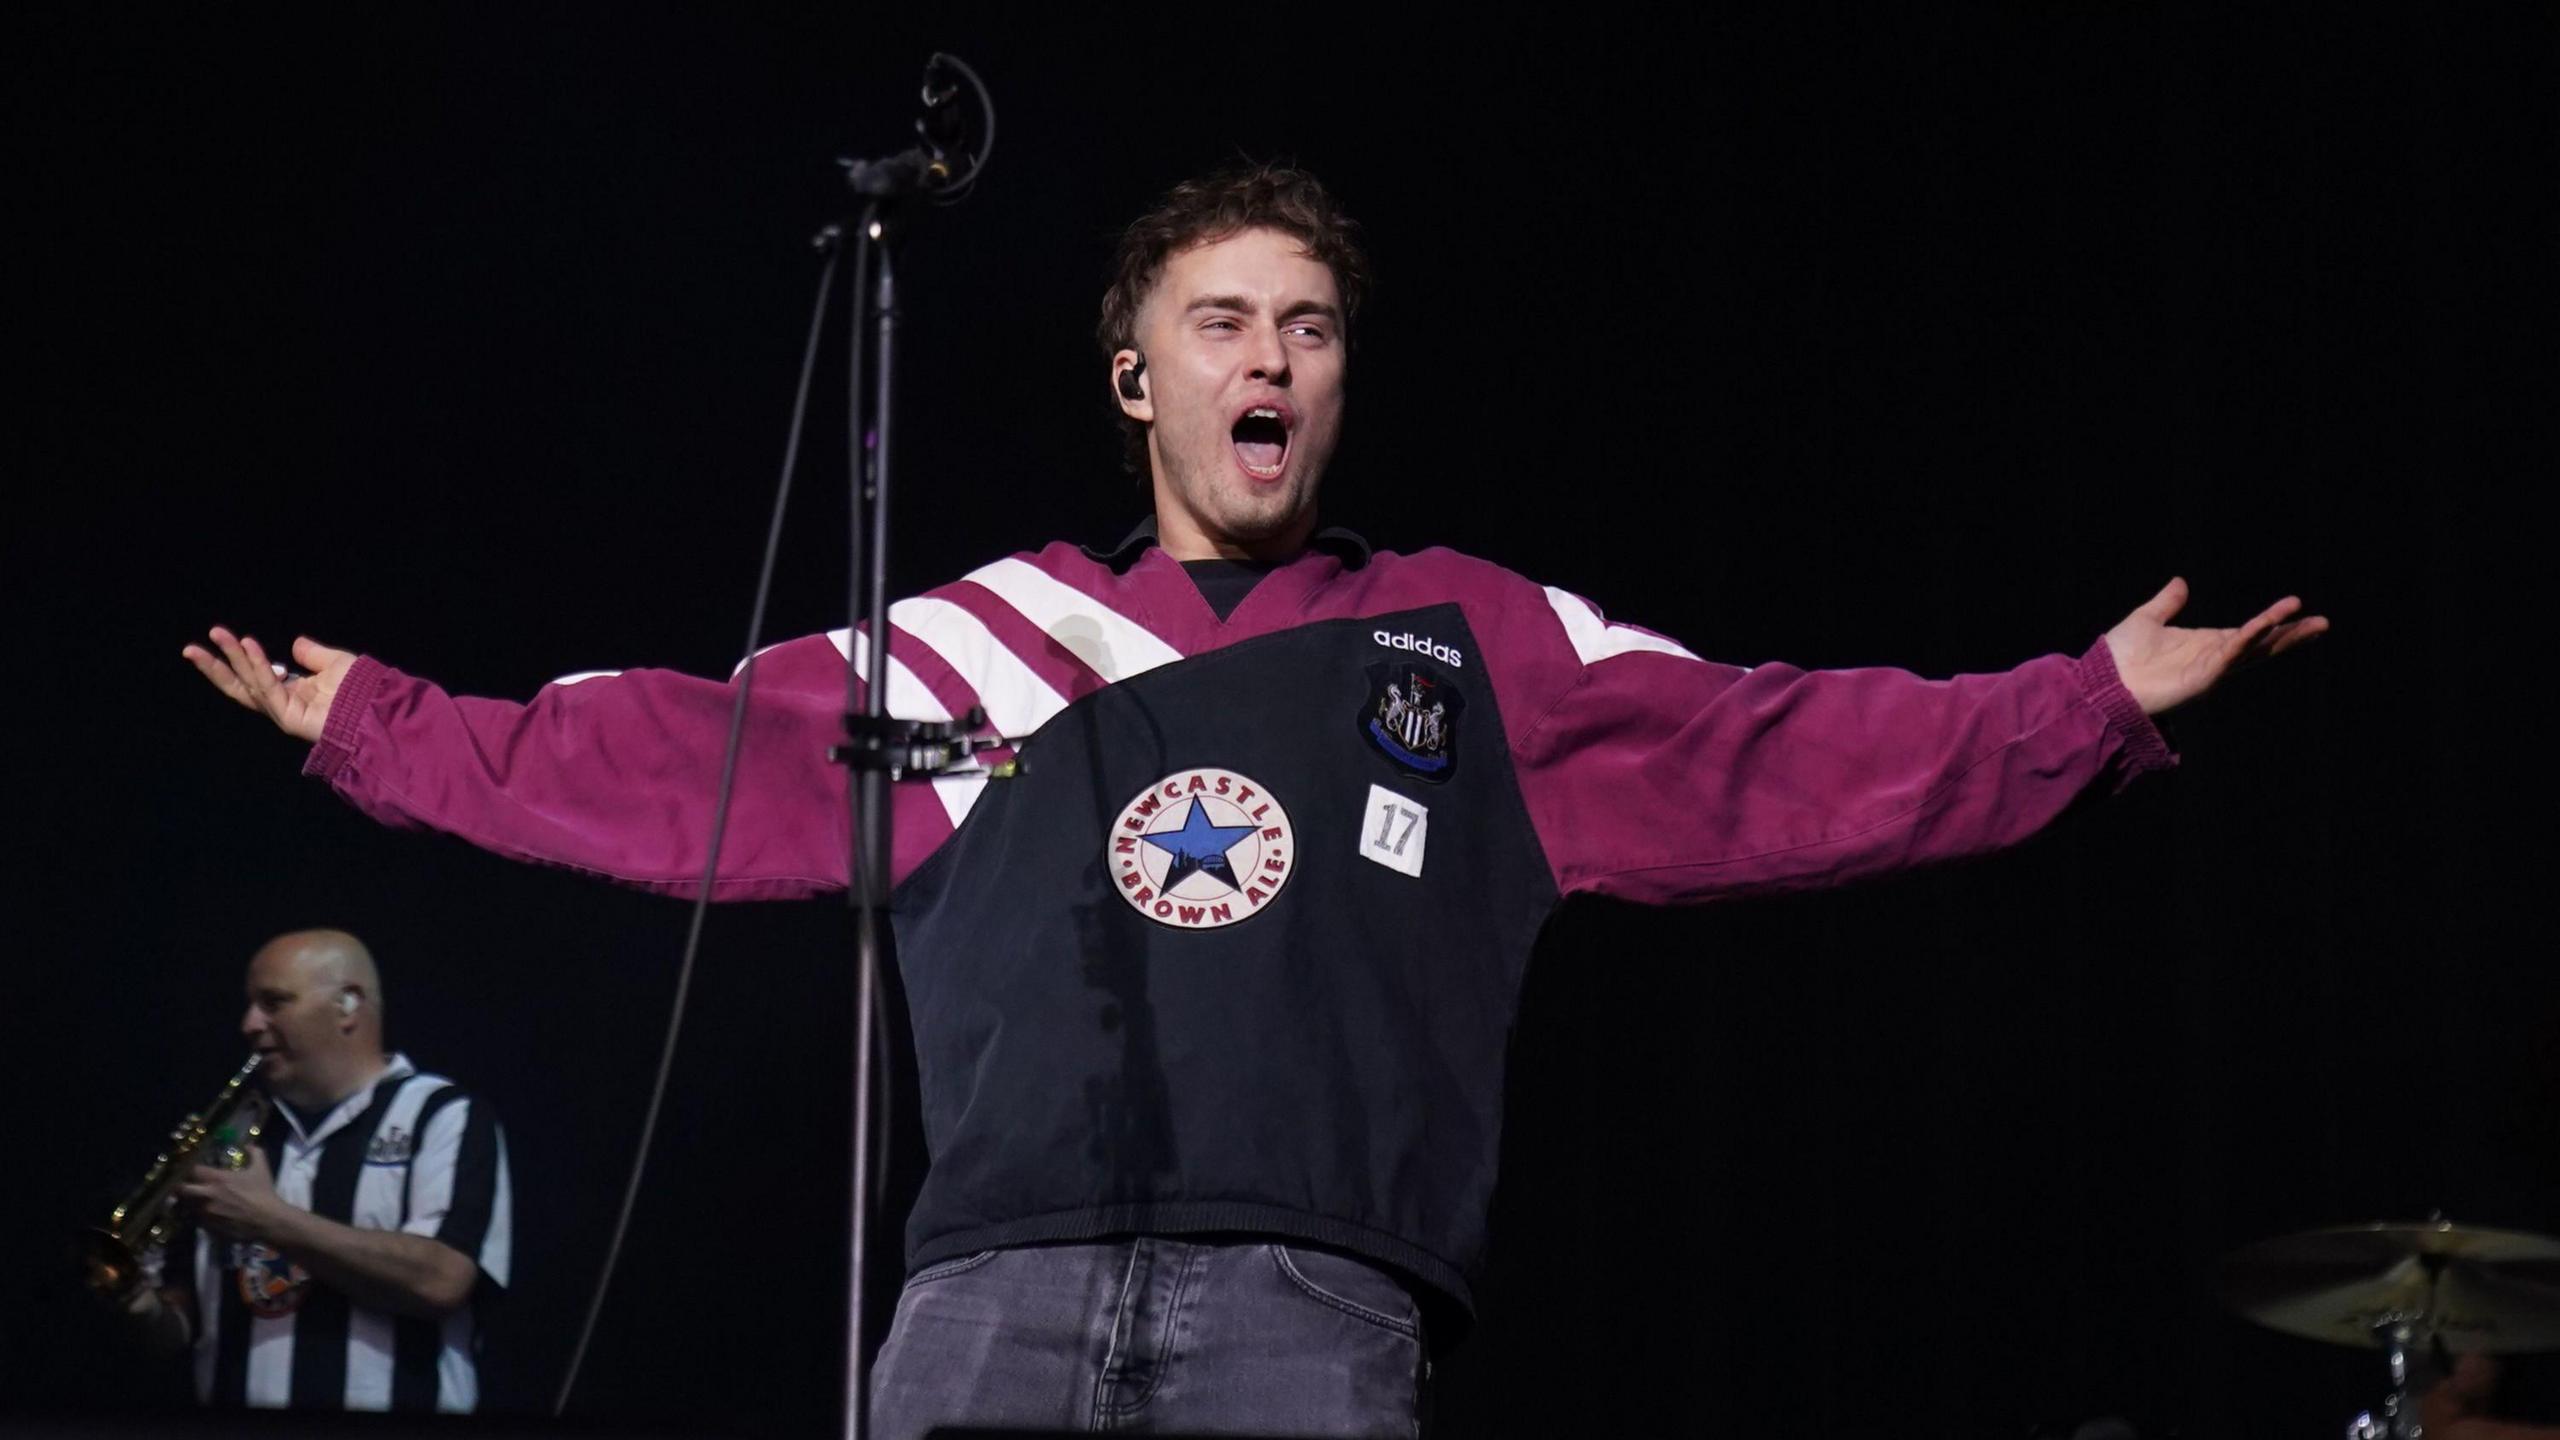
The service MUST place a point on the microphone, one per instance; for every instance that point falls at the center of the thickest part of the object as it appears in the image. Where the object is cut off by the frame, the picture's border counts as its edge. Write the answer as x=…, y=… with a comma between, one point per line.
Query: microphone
x=956, y=140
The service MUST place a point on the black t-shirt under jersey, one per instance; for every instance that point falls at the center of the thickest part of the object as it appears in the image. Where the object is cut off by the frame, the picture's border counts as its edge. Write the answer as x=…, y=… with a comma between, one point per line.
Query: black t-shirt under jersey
x=1224, y=583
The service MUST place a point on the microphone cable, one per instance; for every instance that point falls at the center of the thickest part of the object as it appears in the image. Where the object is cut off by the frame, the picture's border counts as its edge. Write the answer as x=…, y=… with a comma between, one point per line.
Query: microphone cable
x=829, y=240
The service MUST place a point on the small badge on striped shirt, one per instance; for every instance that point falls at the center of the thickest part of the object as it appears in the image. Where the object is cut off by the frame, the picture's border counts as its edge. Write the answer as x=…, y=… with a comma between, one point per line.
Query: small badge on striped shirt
x=270, y=1285
x=392, y=1146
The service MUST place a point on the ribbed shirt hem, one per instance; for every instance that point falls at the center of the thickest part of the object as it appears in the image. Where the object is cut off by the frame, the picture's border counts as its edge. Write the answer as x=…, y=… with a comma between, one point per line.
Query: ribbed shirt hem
x=346, y=716
x=2145, y=748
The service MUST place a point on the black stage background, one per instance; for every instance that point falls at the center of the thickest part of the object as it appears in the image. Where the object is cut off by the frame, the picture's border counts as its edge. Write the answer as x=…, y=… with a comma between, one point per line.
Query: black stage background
x=465, y=336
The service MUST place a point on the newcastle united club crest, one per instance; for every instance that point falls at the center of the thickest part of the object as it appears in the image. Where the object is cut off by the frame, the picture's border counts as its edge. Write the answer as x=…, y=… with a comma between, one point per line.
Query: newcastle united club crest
x=393, y=1146
x=1200, y=849
x=1412, y=718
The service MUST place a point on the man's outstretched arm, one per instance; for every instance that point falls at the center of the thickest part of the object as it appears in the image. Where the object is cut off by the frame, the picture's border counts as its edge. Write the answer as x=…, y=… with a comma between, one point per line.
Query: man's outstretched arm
x=615, y=774
x=1657, y=776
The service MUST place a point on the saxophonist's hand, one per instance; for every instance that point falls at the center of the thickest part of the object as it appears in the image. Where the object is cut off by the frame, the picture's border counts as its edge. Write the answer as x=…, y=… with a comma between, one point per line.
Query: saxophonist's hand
x=161, y=1316
x=237, y=1204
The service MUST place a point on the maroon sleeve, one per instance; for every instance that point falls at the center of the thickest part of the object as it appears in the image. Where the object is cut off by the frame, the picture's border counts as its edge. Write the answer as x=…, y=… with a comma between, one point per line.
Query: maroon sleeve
x=617, y=775
x=1652, y=775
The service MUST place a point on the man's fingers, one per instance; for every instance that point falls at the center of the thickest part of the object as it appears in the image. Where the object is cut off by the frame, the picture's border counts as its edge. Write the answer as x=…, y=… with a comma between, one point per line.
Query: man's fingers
x=266, y=679
x=315, y=657
x=235, y=655
x=253, y=677
x=211, y=667
x=256, y=674
x=265, y=668
x=2249, y=642
x=2274, y=614
x=2160, y=609
x=2242, y=644
x=2292, y=633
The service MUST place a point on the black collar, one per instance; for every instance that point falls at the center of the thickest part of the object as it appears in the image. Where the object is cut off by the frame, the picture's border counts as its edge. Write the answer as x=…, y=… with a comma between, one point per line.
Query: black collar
x=1333, y=539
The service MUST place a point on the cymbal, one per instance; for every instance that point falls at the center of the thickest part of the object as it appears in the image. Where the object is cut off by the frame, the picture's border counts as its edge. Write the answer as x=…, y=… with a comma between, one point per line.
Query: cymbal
x=2490, y=1292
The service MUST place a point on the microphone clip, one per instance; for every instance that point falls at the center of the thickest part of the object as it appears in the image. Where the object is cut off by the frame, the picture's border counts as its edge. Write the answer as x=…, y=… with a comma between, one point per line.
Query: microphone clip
x=922, y=749
x=956, y=141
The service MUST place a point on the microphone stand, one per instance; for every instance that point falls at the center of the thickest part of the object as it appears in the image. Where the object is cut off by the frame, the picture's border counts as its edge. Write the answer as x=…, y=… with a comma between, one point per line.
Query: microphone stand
x=879, y=748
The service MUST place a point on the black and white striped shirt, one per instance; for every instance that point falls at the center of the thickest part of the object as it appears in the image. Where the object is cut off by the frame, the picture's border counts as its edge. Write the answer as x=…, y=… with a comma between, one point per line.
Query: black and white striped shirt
x=411, y=1153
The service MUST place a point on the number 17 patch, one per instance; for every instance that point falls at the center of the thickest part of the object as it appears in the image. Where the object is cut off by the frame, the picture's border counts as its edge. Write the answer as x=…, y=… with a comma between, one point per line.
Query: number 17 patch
x=1394, y=830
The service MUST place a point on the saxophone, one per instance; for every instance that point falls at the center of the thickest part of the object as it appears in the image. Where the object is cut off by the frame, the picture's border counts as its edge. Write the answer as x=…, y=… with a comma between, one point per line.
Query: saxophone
x=220, y=1134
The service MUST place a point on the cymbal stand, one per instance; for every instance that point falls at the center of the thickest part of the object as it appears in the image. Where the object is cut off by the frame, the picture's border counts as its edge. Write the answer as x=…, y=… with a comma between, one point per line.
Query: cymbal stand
x=2399, y=1418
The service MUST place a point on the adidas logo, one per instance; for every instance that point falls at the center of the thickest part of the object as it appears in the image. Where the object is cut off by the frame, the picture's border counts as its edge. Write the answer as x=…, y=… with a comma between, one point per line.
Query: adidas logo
x=1421, y=645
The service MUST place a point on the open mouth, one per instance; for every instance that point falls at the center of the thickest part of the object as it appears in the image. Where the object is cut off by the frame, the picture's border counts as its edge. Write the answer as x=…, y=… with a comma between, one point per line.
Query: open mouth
x=1261, y=438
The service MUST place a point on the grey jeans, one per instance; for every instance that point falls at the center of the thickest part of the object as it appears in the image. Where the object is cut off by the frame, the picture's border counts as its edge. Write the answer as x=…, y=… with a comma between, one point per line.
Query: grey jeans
x=1152, y=1335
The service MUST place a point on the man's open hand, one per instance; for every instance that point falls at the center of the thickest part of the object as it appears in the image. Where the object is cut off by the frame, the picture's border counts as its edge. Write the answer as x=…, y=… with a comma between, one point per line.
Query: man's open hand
x=2165, y=665
x=298, y=704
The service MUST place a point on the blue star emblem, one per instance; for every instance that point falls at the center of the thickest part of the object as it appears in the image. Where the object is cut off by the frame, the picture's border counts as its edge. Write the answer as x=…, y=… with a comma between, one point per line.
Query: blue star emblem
x=1200, y=848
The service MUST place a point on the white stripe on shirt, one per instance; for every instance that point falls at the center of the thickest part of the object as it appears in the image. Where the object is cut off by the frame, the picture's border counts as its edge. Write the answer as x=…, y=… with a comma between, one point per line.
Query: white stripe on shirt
x=1115, y=646
x=909, y=699
x=1595, y=639
x=1014, y=696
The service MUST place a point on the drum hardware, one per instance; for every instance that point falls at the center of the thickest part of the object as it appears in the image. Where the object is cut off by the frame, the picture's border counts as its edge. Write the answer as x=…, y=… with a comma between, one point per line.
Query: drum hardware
x=2455, y=1289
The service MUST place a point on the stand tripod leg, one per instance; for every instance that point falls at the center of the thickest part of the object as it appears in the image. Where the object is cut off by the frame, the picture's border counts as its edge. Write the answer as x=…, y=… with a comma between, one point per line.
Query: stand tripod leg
x=2399, y=1417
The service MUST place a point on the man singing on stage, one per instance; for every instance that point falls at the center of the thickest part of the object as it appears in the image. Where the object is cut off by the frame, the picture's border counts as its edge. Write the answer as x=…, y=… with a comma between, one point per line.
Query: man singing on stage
x=1211, y=1000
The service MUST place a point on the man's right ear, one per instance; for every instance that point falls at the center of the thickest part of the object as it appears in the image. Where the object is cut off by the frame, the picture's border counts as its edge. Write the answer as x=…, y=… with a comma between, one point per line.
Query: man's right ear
x=1127, y=371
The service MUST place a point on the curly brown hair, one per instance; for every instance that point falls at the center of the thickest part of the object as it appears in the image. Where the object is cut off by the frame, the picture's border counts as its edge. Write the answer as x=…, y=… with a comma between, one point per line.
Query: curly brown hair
x=1207, y=210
